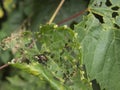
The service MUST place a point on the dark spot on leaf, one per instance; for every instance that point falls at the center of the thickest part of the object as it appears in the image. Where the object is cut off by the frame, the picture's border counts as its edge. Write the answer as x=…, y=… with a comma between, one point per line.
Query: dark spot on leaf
x=114, y=14
x=99, y=17
x=116, y=26
x=115, y=8
x=108, y=3
x=95, y=85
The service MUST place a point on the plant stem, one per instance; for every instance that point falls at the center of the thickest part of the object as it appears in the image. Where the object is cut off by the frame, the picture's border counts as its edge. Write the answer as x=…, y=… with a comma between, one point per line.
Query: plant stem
x=3, y=66
x=56, y=11
x=72, y=17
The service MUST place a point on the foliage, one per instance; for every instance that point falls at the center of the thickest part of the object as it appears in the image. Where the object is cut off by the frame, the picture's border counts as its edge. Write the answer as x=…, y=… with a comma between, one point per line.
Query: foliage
x=61, y=58
x=58, y=45
x=100, y=41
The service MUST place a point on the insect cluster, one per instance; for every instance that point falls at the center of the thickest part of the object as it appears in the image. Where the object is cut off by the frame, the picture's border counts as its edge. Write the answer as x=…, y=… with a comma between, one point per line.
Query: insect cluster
x=41, y=58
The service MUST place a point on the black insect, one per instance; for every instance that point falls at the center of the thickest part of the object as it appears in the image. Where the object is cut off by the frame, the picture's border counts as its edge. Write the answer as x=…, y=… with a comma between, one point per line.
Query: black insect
x=41, y=58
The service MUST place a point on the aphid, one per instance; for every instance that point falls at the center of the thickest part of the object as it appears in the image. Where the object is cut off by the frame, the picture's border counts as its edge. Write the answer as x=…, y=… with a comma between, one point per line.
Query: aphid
x=41, y=58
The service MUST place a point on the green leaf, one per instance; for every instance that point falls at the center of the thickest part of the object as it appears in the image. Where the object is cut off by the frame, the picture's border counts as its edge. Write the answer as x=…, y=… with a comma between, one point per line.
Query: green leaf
x=100, y=49
x=37, y=69
x=59, y=45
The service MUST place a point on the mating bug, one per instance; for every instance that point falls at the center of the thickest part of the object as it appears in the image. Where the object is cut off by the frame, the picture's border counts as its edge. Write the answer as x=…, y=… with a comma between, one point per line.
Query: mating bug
x=41, y=58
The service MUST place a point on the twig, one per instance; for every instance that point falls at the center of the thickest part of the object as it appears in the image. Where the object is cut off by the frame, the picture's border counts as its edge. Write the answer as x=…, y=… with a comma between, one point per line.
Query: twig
x=3, y=66
x=56, y=11
x=72, y=17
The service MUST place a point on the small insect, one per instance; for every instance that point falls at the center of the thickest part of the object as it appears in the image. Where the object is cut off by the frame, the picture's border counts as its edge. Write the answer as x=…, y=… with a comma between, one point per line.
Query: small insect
x=41, y=58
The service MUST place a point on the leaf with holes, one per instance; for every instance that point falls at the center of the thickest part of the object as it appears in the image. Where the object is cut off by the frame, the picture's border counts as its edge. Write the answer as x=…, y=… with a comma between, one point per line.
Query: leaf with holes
x=100, y=45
